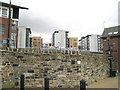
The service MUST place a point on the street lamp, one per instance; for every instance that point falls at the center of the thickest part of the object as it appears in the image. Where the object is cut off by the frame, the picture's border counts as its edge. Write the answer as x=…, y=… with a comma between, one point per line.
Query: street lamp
x=8, y=38
x=110, y=59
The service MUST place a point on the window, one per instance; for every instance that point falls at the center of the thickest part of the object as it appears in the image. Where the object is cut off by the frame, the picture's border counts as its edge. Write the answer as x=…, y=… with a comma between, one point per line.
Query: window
x=75, y=43
x=75, y=40
x=115, y=32
x=1, y=45
x=34, y=39
x=0, y=12
x=4, y=12
x=4, y=41
x=34, y=42
x=110, y=33
x=98, y=37
x=2, y=28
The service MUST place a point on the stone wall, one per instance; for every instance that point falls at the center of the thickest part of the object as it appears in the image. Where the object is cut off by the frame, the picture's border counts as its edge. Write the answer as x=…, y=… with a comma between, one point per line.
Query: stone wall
x=60, y=66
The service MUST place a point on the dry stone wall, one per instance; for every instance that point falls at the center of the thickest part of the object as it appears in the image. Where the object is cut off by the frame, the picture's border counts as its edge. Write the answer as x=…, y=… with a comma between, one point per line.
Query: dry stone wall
x=59, y=66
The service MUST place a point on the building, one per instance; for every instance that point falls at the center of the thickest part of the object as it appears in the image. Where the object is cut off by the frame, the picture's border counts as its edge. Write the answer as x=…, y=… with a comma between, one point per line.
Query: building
x=24, y=35
x=73, y=43
x=30, y=42
x=91, y=43
x=37, y=42
x=111, y=39
x=14, y=20
x=60, y=39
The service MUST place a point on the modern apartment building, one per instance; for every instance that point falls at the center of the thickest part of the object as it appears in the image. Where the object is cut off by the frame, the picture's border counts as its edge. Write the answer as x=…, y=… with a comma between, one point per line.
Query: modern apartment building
x=91, y=43
x=24, y=35
x=37, y=42
x=14, y=20
x=60, y=39
x=73, y=43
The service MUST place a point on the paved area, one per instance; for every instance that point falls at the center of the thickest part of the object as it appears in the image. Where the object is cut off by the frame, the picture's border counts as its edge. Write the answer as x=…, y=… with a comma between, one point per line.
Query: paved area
x=106, y=83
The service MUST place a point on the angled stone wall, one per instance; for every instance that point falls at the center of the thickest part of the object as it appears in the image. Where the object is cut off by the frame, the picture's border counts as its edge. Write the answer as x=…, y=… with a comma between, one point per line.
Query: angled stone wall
x=61, y=67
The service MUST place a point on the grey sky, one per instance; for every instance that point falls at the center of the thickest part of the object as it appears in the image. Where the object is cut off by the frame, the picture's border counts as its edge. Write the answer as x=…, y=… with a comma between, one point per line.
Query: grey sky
x=80, y=17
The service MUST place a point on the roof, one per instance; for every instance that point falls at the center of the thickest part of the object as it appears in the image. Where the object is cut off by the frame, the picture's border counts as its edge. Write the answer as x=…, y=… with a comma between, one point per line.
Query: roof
x=13, y=6
x=61, y=30
x=111, y=31
x=25, y=28
x=83, y=37
x=29, y=30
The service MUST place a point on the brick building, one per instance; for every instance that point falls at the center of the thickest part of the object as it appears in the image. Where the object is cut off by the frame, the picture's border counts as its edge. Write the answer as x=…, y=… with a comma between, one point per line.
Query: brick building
x=73, y=43
x=37, y=42
x=111, y=39
x=4, y=15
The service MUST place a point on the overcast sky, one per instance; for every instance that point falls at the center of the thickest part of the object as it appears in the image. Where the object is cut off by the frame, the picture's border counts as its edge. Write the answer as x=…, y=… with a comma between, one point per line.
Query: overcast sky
x=79, y=17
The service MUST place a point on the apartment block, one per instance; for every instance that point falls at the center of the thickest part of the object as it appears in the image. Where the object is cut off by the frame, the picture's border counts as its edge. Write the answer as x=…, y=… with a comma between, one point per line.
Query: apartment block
x=73, y=43
x=91, y=42
x=24, y=35
x=14, y=20
x=60, y=39
x=37, y=42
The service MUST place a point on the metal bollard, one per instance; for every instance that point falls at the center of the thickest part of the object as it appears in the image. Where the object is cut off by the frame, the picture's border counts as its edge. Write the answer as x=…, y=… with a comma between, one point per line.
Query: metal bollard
x=22, y=82
x=46, y=84
x=82, y=84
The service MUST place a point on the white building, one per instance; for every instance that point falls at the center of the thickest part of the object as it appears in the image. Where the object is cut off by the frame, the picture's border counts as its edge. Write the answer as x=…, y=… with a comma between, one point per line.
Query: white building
x=91, y=43
x=60, y=39
x=24, y=37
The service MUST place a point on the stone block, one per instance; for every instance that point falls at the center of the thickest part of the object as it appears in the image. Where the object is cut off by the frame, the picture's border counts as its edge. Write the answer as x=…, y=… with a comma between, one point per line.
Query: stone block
x=60, y=68
x=15, y=65
x=19, y=56
x=30, y=71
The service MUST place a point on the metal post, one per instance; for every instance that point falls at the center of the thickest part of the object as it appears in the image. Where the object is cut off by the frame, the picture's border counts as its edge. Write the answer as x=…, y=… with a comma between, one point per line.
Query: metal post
x=82, y=84
x=46, y=84
x=110, y=68
x=22, y=82
x=110, y=54
x=8, y=42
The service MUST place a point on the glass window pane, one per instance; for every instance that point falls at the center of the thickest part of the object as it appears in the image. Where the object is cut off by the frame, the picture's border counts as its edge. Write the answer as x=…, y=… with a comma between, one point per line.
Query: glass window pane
x=4, y=12
x=2, y=28
x=4, y=40
x=0, y=12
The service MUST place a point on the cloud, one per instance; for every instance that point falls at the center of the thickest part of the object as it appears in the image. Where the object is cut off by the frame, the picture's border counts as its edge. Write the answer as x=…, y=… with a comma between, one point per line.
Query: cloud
x=37, y=25
x=80, y=17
